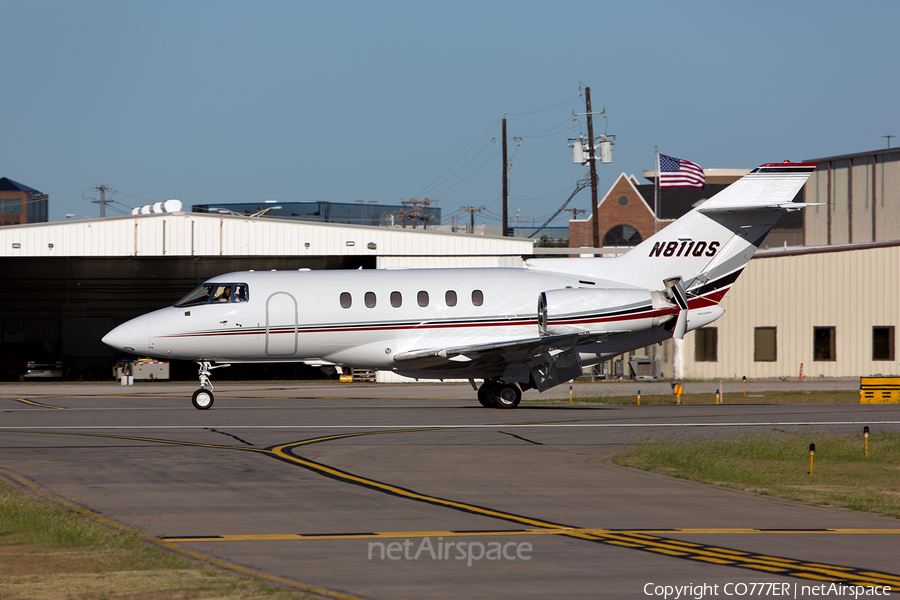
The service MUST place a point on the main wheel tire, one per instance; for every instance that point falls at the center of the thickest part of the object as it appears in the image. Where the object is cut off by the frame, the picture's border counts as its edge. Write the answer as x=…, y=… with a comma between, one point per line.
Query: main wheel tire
x=507, y=396
x=202, y=399
x=486, y=394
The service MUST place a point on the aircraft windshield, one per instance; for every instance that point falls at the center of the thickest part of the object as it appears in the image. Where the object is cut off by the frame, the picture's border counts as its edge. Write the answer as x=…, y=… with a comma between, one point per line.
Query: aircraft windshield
x=216, y=293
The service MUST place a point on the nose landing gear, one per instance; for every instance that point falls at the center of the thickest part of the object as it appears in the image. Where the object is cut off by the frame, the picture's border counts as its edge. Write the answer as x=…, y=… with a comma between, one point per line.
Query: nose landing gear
x=203, y=398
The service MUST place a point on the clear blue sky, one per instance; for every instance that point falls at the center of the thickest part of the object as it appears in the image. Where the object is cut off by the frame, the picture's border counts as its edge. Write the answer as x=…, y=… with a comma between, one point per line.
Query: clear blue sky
x=216, y=102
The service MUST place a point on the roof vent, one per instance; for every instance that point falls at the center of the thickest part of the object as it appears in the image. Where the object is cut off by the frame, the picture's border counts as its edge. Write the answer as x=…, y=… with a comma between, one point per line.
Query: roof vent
x=168, y=206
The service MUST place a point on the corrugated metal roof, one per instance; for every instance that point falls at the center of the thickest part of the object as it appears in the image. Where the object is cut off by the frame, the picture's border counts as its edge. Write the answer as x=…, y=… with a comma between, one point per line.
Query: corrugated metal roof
x=196, y=234
x=854, y=155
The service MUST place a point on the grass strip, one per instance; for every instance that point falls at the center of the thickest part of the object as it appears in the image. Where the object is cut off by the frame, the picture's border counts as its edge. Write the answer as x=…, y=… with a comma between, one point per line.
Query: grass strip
x=777, y=464
x=794, y=397
x=49, y=552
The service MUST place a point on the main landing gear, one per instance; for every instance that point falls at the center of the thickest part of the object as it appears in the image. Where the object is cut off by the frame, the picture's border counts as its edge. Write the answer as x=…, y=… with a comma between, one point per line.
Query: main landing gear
x=203, y=398
x=496, y=394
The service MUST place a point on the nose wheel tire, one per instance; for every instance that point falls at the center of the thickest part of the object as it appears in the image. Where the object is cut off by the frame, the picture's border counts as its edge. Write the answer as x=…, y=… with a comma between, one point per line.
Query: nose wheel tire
x=202, y=399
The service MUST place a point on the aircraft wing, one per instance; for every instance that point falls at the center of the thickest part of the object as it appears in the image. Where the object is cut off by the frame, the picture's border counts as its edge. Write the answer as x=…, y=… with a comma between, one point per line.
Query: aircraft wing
x=527, y=353
x=474, y=351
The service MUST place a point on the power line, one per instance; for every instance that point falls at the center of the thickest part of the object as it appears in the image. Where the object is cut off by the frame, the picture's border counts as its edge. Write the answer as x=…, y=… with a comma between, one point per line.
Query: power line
x=582, y=183
x=438, y=180
x=543, y=109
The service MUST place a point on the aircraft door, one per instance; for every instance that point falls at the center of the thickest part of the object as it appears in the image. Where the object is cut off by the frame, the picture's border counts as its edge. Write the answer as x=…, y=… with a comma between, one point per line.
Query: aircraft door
x=281, y=324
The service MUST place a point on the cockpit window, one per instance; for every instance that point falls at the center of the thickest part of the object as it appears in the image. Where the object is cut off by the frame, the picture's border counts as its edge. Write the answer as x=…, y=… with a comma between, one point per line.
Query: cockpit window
x=198, y=296
x=222, y=293
x=216, y=293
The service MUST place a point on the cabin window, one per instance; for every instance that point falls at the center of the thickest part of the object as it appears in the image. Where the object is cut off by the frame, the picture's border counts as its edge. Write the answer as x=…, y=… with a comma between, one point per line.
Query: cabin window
x=883, y=343
x=369, y=299
x=706, y=343
x=823, y=343
x=396, y=299
x=346, y=300
x=241, y=293
x=765, y=348
x=450, y=298
x=422, y=299
x=477, y=298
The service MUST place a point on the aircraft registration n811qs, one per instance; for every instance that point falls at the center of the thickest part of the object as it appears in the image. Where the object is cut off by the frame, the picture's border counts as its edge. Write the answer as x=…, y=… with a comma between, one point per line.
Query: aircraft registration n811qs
x=515, y=329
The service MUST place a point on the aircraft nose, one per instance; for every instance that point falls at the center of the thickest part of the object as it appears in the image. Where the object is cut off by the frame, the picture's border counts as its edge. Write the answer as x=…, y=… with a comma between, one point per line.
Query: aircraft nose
x=130, y=336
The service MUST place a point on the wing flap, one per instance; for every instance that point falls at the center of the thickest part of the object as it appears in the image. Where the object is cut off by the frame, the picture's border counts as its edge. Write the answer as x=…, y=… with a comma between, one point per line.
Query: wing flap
x=525, y=346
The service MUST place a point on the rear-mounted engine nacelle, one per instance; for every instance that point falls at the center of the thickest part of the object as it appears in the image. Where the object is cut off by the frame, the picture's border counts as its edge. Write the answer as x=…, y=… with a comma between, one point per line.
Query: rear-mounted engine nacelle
x=582, y=310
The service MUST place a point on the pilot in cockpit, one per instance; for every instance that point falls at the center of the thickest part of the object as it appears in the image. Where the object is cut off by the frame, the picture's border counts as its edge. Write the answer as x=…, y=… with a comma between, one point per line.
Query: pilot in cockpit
x=223, y=294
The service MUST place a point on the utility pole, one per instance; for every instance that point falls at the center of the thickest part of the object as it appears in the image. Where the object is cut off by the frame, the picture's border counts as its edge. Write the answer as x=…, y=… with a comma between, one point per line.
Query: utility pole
x=505, y=186
x=590, y=124
x=472, y=210
x=102, y=201
x=414, y=212
x=575, y=212
x=884, y=136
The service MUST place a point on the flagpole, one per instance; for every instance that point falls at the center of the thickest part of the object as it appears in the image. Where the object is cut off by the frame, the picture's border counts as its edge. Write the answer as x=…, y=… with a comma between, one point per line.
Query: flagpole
x=656, y=193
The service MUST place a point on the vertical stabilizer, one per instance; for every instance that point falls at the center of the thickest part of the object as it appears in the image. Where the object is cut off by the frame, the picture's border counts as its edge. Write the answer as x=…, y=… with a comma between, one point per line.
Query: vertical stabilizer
x=710, y=245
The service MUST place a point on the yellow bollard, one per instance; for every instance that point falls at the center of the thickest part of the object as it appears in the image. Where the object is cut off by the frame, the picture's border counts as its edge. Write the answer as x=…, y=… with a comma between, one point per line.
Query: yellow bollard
x=678, y=391
x=570, y=394
x=812, y=453
x=639, y=397
x=717, y=396
x=745, y=385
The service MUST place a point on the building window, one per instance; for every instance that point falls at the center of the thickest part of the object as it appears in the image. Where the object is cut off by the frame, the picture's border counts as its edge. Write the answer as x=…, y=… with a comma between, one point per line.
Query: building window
x=369, y=299
x=706, y=344
x=12, y=205
x=883, y=343
x=623, y=200
x=477, y=298
x=450, y=298
x=622, y=235
x=764, y=344
x=823, y=343
x=422, y=299
x=396, y=299
x=346, y=300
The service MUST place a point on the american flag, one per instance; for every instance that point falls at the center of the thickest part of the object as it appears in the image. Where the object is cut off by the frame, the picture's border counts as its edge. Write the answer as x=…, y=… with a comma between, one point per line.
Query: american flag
x=675, y=172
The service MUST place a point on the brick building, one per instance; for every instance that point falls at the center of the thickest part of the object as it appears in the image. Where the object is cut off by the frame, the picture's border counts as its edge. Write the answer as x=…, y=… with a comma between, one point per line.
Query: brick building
x=625, y=218
x=20, y=204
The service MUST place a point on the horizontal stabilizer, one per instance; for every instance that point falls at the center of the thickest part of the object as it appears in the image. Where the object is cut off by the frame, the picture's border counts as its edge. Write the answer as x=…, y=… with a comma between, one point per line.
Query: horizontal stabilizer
x=788, y=206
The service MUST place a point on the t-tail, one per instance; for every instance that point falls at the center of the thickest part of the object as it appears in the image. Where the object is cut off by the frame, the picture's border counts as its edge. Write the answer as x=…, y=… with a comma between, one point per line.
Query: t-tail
x=708, y=247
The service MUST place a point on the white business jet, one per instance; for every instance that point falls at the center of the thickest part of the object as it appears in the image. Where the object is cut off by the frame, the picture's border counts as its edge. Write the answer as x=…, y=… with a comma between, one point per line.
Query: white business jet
x=516, y=329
